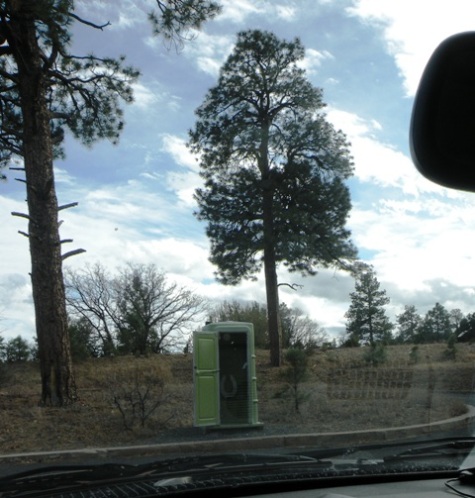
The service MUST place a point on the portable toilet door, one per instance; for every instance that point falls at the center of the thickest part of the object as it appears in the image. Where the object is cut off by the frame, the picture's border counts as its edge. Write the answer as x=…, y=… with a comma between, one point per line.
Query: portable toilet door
x=206, y=378
x=225, y=375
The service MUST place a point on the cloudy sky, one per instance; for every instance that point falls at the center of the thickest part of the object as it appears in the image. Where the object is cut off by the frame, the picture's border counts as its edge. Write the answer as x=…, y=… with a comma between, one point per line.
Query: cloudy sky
x=135, y=199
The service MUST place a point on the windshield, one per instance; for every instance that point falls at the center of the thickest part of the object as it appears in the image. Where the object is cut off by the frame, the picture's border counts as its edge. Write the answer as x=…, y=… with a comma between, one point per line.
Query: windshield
x=225, y=247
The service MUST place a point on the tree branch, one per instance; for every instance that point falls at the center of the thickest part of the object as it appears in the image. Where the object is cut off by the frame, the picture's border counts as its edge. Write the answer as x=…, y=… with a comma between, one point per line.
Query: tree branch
x=72, y=253
x=89, y=23
x=292, y=286
x=21, y=215
x=67, y=206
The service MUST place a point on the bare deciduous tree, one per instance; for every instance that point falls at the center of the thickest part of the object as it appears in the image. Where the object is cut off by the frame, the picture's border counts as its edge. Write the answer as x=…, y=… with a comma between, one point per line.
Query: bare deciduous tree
x=136, y=311
x=90, y=296
x=155, y=313
x=299, y=330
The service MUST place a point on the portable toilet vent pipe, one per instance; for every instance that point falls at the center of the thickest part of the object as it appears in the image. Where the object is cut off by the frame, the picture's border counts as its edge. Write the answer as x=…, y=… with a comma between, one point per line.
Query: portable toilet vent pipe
x=224, y=376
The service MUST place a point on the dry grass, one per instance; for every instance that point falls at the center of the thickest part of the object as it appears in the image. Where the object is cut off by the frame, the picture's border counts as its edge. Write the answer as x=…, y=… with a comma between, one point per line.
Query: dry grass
x=342, y=393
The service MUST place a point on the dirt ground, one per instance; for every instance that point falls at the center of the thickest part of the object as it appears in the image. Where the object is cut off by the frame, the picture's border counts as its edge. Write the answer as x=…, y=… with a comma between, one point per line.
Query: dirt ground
x=127, y=400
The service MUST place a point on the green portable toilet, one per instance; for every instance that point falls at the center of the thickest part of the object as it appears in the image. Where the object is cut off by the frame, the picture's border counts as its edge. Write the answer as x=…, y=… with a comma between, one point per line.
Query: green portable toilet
x=224, y=375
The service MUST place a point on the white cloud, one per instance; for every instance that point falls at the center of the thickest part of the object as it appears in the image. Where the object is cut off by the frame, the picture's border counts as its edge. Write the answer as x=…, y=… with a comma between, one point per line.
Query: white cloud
x=286, y=12
x=237, y=11
x=411, y=229
x=184, y=185
x=410, y=240
x=240, y=11
x=62, y=176
x=409, y=37
x=143, y=97
x=314, y=59
x=131, y=204
x=122, y=14
x=246, y=291
x=209, y=51
x=176, y=256
x=375, y=161
x=129, y=16
x=13, y=247
x=153, y=96
x=16, y=306
x=16, y=311
x=176, y=147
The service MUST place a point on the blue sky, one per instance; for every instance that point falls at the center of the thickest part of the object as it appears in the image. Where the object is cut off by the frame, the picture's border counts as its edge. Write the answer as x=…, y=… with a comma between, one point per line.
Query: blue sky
x=135, y=199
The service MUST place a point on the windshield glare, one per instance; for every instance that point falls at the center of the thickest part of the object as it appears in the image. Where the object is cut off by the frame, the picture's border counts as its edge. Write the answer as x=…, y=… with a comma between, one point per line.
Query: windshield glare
x=225, y=247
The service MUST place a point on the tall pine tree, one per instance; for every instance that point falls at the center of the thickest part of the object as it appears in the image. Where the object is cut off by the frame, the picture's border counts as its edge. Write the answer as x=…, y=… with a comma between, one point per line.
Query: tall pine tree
x=367, y=319
x=45, y=90
x=408, y=323
x=436, y=325
x=274, y=171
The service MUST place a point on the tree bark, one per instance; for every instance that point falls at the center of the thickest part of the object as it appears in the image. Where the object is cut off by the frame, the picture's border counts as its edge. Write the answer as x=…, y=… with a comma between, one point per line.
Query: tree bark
x=270, y=265
x=57, y=380
x=270, y=272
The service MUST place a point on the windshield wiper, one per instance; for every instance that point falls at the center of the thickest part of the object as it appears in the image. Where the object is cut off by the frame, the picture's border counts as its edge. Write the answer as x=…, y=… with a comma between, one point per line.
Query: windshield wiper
x=191, y=471
x=404, y=457
x=58, y=476
x=434, y=449
x=171, y=471
x=411, y=449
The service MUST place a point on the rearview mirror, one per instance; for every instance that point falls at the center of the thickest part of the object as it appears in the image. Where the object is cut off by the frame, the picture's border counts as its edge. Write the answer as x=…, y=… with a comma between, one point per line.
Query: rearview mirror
x=442, y=132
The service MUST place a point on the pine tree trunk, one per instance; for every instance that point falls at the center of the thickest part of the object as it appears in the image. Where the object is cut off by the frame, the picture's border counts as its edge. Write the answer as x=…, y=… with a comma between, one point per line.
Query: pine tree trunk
x=272, y=294
x=58, y=386
x=273, y=315
x=270, y=265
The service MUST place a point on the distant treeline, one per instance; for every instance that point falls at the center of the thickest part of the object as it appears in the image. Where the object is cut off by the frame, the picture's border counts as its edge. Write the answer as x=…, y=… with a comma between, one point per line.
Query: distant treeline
x=138, y=311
